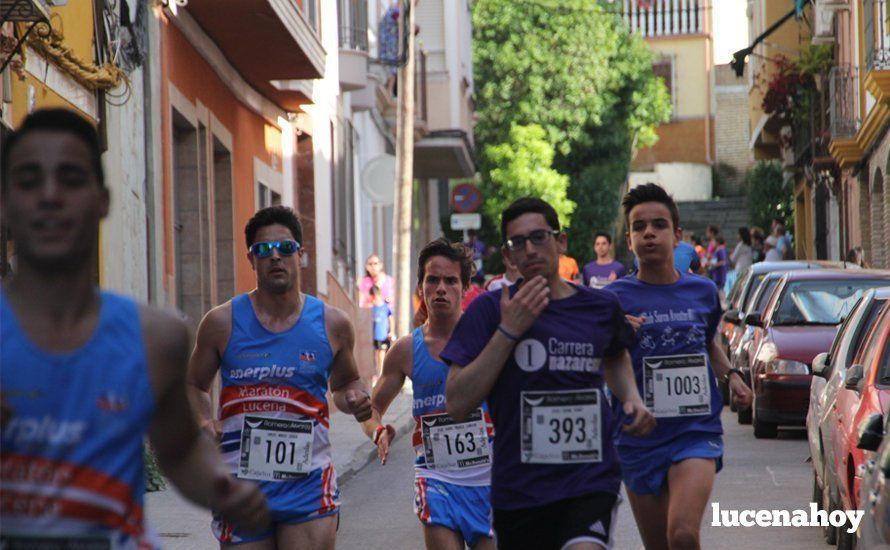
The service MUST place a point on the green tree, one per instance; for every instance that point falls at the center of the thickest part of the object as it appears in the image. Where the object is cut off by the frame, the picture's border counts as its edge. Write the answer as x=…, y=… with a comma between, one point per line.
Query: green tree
x=769, y=195
x=572, y=67
x=523, y=166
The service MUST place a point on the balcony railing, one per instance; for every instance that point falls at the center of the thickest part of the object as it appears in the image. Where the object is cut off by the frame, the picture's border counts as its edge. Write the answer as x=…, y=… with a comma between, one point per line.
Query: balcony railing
x=353, y=21
x=663, y=17
x=877, y=39
x=844, y=112
x=811, y=125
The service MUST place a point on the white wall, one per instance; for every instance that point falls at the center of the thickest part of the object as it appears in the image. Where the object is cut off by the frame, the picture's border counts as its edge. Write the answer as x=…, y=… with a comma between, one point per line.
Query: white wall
x=685, y=181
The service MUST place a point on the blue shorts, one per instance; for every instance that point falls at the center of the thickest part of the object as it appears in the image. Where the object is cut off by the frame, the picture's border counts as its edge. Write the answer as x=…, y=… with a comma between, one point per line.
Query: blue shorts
x=645, y=470
x=290, y=502
x=461, y=508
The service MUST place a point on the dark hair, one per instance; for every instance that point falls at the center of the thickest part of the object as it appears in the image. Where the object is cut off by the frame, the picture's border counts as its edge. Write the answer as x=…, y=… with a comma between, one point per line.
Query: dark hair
x=745, y=235
x=283, y=215
x=650, y=192
x=599, y=234
x=456, y=252
x=374, y=290
x=757, y=236
x=55, y=120
x=715, y=230
x=778, y=220
x=720, y=239
x=528, y=205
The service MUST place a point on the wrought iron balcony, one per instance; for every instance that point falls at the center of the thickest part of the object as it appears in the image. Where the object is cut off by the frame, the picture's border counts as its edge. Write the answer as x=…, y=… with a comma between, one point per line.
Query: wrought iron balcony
x=877, y=35
x=663, y=17
x=844, y=106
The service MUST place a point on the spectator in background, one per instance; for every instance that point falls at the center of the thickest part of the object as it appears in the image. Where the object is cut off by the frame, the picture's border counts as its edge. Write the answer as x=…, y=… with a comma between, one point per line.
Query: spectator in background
x=771, y=250
x=711, y=233
x=375, y=276
x=757, y=252
x=700, y=250
x=473, y=291
x=479, y=250
x=743, y=255
x=719, y=264
x=783, y=239
x=604, y=269
x=857, y=256
x=384, y=331
x=507, y=278
x=568, y=269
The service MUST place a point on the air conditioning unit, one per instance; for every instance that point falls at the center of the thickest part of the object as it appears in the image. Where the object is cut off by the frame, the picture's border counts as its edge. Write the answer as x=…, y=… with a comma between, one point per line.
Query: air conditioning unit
x=24, y=10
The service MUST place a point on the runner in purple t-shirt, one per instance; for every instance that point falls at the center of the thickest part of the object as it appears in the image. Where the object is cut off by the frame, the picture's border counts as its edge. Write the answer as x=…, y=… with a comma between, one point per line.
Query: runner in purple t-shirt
x=604, y=269
x=539, y=352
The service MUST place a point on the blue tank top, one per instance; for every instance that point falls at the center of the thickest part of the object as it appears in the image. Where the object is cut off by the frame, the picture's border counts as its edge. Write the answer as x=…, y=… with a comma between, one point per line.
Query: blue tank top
x=428, y=376
x=72, y=451
x=281, y=377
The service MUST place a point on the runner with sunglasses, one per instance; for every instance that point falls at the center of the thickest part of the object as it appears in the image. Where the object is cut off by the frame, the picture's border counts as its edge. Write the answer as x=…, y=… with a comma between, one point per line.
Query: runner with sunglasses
x=278, y=351
x=538, y=352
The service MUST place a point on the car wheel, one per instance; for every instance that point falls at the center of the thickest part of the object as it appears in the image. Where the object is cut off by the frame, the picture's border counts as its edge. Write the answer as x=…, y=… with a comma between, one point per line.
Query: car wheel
x=763, y=430
x=724, y=391
x=829, y=532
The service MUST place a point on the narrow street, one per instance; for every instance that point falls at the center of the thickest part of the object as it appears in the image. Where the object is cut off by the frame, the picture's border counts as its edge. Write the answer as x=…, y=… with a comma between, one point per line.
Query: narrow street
x=758, y=474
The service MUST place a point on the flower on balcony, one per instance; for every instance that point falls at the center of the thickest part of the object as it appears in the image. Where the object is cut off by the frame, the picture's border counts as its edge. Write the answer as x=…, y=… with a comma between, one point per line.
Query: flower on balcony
x=783, y=87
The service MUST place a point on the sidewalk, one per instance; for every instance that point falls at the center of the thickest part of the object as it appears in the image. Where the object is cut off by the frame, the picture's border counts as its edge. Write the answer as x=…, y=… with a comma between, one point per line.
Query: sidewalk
x=183, y=526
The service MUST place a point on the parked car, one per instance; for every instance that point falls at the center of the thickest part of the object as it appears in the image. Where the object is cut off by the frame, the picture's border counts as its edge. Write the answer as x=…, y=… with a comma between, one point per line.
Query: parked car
x=740, y=359
x=829, y=370
x=799, y=322
x=874, y=529
x=866, y=391
x=741, y=292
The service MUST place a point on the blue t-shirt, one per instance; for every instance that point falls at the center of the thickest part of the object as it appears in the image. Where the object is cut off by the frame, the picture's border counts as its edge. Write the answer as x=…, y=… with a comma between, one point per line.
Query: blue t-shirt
x=561, y=354
x=381, y=321
x=597, y=275
x=685, y=258
x=681, y=318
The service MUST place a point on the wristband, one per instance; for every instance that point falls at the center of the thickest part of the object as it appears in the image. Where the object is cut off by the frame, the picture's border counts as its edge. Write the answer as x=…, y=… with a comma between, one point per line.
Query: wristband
x=378, y=432
x=507, y=334
x=729, y=373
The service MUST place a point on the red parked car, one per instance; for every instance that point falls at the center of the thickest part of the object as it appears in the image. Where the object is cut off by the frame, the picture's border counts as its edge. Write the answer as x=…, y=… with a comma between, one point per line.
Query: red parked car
x=799, y=322
x=866, y=391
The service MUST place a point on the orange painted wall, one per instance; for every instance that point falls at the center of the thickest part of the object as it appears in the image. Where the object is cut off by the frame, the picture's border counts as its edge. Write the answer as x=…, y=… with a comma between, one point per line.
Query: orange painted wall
x=184, y=67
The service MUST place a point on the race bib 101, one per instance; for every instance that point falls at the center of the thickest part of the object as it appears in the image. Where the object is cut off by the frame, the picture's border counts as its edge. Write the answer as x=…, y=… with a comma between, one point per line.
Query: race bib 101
x=274, y=449
x=561, y=427
x=450, y=445
x=677, y=385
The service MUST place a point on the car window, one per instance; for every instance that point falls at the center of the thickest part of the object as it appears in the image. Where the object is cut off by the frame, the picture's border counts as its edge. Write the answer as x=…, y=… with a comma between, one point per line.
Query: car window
x=736, y=290
x=823, y=302
x=763, y=295
x=879, y=336
x=866, y=355
x=840, y=336
x=752, y=291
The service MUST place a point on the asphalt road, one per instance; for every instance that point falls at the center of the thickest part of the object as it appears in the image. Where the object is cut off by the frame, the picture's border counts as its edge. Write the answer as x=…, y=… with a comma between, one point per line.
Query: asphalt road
x=758, y=474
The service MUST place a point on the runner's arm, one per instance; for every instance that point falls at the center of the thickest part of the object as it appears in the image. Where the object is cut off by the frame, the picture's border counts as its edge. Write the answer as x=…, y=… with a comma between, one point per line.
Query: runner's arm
x=188, y=458
x=390, y=384
x=213, y=333
x=619, y=374
x=349, y=392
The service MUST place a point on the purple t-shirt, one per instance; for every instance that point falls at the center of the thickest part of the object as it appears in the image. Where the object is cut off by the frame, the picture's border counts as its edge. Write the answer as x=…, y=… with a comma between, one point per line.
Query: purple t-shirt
x=560, y=354
x=671, y=361
x=718, y=274
x=598, y=275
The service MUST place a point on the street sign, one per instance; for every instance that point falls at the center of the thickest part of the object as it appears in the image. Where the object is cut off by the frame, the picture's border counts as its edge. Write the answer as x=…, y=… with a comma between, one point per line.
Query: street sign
x=466, y=198
x=463, y=222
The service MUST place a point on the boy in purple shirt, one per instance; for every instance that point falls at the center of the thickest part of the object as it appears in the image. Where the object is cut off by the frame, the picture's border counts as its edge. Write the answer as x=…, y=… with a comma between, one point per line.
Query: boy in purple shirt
x=604, y=269
x=669, y=473
x=539, y=352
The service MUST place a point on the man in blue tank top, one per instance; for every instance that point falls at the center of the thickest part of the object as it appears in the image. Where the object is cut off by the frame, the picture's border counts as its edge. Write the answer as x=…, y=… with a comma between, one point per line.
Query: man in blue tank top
x=87, y=374
x=453, y=462
x=539, y=352
x=669, y=473
x=278, y=351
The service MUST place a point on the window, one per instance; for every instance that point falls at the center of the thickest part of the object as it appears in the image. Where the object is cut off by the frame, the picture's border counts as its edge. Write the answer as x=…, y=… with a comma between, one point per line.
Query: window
x=266, y=196
x=819, y=302
x=664, y=69
x=752, y=291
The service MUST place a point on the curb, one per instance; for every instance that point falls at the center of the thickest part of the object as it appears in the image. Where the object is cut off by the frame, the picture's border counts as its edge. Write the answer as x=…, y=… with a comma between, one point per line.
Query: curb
x=367, y=452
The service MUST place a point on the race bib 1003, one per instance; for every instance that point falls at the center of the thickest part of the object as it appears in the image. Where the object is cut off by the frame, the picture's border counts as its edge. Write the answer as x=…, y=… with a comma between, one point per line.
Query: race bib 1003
x=677, y=385
x=450, y=445
x=561, y=427
x=274, y=449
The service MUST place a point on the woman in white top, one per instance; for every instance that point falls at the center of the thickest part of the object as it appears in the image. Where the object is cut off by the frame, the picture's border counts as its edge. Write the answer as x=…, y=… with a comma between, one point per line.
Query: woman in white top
x=743, y=255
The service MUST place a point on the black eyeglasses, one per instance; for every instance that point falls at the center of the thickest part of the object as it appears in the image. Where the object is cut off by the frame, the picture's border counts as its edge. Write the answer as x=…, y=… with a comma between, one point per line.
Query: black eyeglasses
x=287, y=247
x=537, y=238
